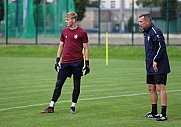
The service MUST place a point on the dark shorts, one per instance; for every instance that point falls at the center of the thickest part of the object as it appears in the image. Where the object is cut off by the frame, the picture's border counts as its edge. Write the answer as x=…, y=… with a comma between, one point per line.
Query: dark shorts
x=157, y=79
x=75, y=69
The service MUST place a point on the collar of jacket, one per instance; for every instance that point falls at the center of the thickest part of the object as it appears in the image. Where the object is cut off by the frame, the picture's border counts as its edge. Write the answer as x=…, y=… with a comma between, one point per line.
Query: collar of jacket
x=149, y=28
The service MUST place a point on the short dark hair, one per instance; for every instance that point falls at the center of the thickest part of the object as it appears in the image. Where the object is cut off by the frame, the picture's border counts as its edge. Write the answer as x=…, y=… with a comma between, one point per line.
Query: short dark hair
x=146, y=16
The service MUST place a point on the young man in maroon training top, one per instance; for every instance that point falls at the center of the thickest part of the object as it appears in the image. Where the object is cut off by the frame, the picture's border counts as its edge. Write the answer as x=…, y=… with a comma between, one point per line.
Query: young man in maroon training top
x=72, y=41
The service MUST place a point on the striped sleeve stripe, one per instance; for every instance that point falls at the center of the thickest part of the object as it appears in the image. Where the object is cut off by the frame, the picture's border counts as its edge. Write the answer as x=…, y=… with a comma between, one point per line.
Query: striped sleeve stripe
x=159, y=44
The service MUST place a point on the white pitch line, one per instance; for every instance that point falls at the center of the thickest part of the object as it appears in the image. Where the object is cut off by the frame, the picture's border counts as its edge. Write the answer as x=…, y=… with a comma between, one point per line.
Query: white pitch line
x=86, y=99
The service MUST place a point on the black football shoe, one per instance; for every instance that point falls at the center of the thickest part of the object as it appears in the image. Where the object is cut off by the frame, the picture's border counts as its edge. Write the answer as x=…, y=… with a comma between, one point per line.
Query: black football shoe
x=48, y=110
x=151, y=115
x=72, y=110
x=161, y=118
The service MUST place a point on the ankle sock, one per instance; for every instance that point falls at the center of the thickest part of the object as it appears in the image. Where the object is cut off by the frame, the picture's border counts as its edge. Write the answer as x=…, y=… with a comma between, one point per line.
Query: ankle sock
x=52, y=103
x=154, y=109
x=163, y=110
x=73, y=104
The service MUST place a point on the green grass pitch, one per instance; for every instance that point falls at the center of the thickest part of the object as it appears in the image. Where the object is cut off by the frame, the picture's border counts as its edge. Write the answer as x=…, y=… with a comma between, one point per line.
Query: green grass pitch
x=111, y=96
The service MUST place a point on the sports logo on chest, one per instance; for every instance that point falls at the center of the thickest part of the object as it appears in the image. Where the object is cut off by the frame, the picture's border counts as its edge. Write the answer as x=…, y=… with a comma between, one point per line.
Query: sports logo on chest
x=148, y=38
x=75, y=36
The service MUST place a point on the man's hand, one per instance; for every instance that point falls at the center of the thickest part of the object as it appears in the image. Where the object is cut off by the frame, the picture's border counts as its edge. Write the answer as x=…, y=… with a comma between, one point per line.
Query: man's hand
x=57, y=66
x=86, y=68
x=155, y=66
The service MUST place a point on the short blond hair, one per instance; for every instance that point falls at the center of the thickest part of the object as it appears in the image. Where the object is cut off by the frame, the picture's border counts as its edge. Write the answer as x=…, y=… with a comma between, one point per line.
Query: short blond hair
x=72, y=15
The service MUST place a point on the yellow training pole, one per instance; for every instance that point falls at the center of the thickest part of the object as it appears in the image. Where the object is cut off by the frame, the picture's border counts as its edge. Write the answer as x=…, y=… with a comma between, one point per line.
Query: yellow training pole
x=83, y=55
x=107, y=43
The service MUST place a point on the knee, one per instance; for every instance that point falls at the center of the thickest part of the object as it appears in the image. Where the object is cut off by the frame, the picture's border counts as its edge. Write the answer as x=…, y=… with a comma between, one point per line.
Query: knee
x=58, y=84
x=77, y=84
x=161, y=88
x=151, y=88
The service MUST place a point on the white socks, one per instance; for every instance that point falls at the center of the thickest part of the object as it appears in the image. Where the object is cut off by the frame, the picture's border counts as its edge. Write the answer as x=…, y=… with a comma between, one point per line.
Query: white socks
x=52, y=103
x=73, y=104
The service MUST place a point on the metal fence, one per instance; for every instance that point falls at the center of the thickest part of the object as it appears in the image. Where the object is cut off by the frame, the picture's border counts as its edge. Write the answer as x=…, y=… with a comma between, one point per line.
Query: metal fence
x=26, y=22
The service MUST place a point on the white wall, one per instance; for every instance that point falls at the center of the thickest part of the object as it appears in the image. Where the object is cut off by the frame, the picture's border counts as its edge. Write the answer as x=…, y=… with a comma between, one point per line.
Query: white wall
x=107, y=4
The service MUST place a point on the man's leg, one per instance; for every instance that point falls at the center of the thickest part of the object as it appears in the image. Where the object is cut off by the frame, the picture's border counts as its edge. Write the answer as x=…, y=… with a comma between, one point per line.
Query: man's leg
x=76, y=90
x=56, y=95
x=77, y=74
x=163, y=94
x=75, y=94
x=58, y=88
x=63, y=73
x=163, y=98
x=153, y=98
x=161, y=80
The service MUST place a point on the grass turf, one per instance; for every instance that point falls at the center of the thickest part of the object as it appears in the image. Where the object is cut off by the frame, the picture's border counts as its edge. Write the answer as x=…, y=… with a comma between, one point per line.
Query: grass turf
x=96, y=52
x=114, y=95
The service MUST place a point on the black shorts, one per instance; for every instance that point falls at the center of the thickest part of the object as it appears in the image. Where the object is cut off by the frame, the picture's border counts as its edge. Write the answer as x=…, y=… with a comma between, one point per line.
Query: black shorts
x=66, y=70
x=157, y=79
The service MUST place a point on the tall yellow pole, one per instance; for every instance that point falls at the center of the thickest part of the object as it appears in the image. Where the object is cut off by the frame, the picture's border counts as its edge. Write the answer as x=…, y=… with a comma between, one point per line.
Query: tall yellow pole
x=107, y=52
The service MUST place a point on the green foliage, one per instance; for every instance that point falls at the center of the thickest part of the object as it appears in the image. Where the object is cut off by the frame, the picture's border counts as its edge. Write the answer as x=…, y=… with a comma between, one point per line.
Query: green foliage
x=93, y=4
x=130, y=23
x=1, y=10
x=80, y=8
x=172, y=6
x=179, y=6
x=37, y=1
x=148, y=3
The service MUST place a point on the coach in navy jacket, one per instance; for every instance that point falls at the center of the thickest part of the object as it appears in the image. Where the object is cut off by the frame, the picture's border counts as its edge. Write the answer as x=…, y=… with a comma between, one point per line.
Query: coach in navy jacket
x=155, y=50
x=157, y=66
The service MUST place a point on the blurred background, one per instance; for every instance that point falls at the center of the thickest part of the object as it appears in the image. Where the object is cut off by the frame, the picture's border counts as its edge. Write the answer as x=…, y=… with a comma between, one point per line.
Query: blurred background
x=41, y=21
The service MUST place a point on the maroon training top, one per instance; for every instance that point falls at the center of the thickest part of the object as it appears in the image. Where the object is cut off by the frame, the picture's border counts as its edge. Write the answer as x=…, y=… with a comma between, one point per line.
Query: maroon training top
x=73, y=44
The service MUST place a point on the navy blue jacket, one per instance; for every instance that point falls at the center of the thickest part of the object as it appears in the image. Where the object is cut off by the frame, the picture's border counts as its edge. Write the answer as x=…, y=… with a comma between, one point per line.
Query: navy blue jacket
x=155, y=50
